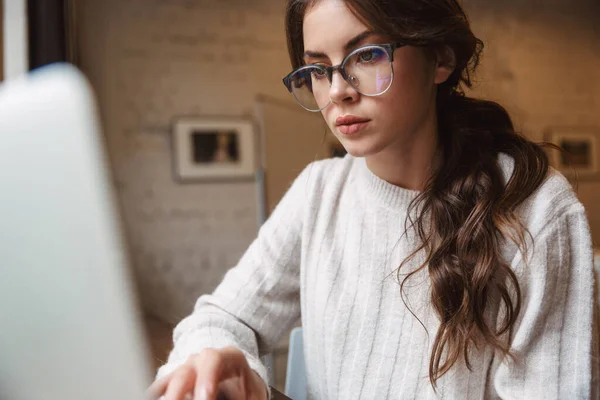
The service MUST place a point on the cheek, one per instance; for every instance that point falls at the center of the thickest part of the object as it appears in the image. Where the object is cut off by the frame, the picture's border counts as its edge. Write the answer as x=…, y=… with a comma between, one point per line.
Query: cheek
x=411, y=91
x=412, y=82
x=326, y=113
x=403, y=108
x=414, y=73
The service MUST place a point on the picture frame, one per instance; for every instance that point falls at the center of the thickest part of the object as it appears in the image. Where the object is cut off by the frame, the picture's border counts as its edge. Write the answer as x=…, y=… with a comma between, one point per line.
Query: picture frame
x=580, y=158
x=213, y=148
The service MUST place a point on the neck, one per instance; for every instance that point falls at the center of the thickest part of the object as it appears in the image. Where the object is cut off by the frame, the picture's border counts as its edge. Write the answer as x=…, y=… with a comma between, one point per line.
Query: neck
x=409, y=162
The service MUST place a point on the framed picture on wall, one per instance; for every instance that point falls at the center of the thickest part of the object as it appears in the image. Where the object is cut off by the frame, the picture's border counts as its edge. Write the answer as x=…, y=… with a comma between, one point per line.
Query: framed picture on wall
x=580, y=155
x=213, y=149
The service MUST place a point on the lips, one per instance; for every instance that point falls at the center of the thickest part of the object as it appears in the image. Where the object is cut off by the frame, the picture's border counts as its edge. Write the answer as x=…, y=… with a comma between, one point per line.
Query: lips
x=349, y=120
x=350, y=124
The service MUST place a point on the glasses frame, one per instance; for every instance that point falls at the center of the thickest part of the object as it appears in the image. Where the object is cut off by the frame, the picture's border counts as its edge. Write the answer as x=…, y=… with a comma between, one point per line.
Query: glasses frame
x=389, y=49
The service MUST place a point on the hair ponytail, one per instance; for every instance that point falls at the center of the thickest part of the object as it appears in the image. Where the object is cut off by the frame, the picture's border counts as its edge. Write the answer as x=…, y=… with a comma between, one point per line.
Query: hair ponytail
x=472, y=209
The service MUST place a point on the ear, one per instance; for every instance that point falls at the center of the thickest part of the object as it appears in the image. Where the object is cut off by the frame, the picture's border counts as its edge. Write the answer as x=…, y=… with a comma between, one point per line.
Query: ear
x=445, y=65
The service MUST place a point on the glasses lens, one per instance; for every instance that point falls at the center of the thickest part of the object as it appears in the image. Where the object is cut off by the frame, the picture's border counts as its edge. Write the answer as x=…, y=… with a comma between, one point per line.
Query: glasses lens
x=369, y=70
x=310, y=87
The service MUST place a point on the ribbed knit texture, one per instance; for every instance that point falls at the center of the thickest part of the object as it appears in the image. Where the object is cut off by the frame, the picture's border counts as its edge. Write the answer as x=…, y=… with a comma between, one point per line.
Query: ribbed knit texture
x=327, y=258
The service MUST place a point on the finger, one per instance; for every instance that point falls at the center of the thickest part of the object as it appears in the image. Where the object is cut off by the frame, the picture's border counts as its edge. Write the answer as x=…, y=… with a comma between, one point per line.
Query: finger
x=181, y=383
x=216, y=366
x=232, y=389
x=158, y=387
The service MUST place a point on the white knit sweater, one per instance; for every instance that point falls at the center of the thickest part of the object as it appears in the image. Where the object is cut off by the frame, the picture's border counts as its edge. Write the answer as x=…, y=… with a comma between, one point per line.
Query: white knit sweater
x=327, y=257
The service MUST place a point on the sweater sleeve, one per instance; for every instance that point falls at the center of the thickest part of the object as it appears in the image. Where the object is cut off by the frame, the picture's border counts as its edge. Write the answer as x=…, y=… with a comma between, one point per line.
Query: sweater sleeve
x=552, y=338
x=258, y=300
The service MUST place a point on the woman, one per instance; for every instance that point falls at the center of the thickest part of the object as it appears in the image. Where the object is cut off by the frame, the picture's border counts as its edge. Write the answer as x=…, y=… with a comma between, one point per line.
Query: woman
x=441, y=258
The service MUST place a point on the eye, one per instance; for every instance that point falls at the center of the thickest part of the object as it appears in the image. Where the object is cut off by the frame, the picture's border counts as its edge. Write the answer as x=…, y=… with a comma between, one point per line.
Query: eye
x=319, y=73
x=366, y=55
x=370, y=55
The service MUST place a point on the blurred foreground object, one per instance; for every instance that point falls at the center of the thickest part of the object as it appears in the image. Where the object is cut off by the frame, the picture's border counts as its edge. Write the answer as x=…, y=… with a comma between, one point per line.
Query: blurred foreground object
x=69, y=327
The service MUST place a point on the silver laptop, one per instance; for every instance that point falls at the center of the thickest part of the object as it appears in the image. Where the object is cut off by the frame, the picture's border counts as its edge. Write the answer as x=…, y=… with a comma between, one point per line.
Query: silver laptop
x=69, y=325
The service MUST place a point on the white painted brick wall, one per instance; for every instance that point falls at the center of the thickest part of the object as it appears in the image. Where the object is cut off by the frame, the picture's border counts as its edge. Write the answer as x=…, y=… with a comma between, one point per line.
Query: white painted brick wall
x=151, y=61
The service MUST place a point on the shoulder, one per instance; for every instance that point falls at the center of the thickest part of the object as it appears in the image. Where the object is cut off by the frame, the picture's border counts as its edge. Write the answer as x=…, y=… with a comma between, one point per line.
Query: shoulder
x=553, y=201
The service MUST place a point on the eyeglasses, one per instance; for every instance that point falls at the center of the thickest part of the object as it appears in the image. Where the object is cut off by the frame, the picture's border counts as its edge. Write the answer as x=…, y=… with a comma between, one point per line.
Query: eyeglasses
x=367, y=69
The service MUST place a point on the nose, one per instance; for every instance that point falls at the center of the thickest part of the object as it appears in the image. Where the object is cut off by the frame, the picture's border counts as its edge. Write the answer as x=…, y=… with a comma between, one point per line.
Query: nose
x=340, y=90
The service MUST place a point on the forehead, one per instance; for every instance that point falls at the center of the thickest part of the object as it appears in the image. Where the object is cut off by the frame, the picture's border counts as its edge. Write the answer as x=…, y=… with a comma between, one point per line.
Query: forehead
x=328, y=25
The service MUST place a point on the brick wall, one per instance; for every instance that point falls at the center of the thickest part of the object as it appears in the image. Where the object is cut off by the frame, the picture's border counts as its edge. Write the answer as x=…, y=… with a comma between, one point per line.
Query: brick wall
x=151, y=60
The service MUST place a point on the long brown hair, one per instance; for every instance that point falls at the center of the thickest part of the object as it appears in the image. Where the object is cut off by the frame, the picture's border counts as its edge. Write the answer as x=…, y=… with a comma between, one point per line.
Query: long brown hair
x=470, y=209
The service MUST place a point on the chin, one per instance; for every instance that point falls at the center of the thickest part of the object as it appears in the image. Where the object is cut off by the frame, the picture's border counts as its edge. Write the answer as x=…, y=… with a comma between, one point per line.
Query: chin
x=356, y=150
x=362, y=148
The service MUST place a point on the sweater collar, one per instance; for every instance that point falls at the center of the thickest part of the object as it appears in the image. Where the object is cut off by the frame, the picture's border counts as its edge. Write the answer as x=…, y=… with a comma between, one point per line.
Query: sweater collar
x=380, y=191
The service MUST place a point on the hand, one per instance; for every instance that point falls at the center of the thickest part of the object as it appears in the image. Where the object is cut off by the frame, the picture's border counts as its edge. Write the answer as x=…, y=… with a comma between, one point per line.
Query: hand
x=211, y=375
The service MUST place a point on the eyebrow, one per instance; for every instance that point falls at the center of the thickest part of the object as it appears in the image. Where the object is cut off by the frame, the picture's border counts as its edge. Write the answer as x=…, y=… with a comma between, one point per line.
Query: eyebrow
x=348, y=46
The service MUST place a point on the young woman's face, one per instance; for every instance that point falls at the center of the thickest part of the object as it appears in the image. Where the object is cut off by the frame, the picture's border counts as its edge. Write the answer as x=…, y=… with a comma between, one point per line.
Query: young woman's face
x=394, y=119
